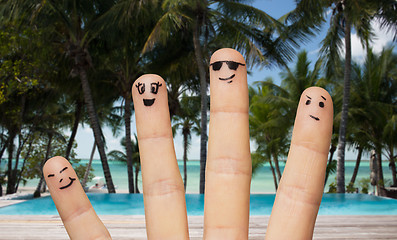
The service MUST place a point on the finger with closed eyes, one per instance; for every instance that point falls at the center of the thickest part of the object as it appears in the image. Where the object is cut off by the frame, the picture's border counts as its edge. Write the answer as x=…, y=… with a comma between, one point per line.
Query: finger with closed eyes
x=74, y=208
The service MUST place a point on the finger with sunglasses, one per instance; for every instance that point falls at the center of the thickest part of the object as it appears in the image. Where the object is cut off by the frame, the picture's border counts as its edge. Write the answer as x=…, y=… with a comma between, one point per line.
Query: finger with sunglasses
x=228, y=170
x=228, y=75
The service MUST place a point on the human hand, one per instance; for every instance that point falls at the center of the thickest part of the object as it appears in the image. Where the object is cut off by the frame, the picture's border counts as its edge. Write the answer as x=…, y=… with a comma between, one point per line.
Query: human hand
x=228, y=170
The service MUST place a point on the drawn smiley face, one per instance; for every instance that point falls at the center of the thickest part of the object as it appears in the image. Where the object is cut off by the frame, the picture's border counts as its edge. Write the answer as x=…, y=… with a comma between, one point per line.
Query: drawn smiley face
x=321, y=104
x=232, y=65
x=154, y=88
x=61, y=182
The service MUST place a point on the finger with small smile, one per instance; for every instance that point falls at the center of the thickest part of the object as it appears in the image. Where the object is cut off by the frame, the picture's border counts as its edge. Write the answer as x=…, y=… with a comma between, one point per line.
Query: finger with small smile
x=228, y=170
x=301, y=187
x=74, y=208
x=69, y=184
x=228, y=78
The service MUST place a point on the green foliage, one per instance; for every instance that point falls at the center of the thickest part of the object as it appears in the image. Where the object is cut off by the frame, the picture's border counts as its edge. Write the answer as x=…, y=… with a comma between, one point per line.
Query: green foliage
x=21, y=65
x=81, y=169
x=257, y=160
x=350, y=188
x=364, y=184
x=331, y=167
x=35, y=159
x=332, y=187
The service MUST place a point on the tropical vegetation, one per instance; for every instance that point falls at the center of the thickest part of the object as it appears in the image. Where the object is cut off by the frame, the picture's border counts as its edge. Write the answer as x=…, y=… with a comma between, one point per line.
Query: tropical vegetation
x=64, y=64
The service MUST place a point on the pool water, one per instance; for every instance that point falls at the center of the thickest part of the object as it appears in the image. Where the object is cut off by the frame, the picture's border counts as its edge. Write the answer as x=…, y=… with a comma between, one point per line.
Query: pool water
x=260, y=204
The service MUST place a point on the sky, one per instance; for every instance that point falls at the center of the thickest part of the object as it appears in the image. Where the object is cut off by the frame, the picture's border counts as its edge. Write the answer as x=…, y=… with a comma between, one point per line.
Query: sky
x=276, y=9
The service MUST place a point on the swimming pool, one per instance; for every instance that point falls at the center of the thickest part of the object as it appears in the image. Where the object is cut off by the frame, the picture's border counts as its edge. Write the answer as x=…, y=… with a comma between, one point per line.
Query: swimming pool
x=261, y=204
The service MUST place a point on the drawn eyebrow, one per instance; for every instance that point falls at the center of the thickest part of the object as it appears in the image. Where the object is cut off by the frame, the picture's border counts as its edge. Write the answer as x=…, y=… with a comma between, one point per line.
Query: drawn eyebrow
x=308, y=97
x=50, y=175
x=324, y=98
x=63, y=169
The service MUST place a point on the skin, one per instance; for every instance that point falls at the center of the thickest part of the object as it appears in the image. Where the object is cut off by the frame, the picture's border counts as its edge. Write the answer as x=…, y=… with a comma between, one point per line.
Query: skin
x=226, y=213
x=228, y=173
x=301, y=187
x=72, y=203
x=163, y=191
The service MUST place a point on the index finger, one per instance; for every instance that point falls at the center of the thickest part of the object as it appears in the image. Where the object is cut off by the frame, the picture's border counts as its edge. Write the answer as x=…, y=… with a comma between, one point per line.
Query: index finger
x=163, y=192
x=74, y=208
x=301, y=187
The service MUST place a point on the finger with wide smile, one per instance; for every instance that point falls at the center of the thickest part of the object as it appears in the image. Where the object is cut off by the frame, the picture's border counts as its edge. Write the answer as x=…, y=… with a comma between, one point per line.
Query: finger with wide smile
x=74, y=208
x=148, y=102
x=301, y=187
x=163, y=191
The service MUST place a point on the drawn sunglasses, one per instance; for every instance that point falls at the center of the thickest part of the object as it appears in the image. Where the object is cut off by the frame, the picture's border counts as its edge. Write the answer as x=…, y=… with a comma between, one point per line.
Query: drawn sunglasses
x=231, y=64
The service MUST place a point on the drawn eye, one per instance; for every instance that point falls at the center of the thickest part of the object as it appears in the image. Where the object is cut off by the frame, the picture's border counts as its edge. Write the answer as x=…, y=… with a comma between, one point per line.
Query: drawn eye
x=140, y=87
x=308, y=102
x=155, y=87
x=321, y=104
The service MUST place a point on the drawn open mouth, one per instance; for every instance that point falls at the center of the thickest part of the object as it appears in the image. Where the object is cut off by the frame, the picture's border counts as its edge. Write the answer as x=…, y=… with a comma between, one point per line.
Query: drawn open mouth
x=148, y=102
x=71, y=181
x=315, y=118
x=228, y=78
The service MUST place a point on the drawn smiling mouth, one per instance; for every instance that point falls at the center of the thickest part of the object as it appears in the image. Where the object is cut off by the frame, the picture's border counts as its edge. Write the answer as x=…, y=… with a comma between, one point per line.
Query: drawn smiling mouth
x=148, y=102
x=315, y=118
x=228, y=78
x=71, y=182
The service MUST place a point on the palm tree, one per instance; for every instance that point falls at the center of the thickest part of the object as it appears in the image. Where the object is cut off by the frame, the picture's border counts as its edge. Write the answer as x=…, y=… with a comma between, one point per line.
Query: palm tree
x=124, y=40
x=375, y=101
x=215, y=24
x=390, y=138
x=187, y=120
x=269, y=126
x=346, y=15
x=71, y=22
x=24, y=73
x=120, y=156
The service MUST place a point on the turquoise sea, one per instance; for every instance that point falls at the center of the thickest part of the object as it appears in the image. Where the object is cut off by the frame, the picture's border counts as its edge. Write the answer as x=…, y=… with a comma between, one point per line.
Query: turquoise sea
x=262, y=180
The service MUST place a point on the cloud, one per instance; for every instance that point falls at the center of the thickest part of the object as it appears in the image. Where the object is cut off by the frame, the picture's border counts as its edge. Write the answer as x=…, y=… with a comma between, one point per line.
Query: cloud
x=381, y=39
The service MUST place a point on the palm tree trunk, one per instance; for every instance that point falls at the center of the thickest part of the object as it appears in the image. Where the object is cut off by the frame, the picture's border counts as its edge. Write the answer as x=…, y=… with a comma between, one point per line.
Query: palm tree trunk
x=331, y=156
x=37, y=192
x=203, y=92
x=393, y=172
x=27, y=155
x=96, y=128
x=381, y=183
x=88, y=169
x=274, y=175
x=77, y=116
x=340, y=169
x=185, y=144
x=128, y=143
x=358, y=160
x=137, y=169
x=2, y=150
x=277, y=166
x=393, y=168
x=11, y=181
